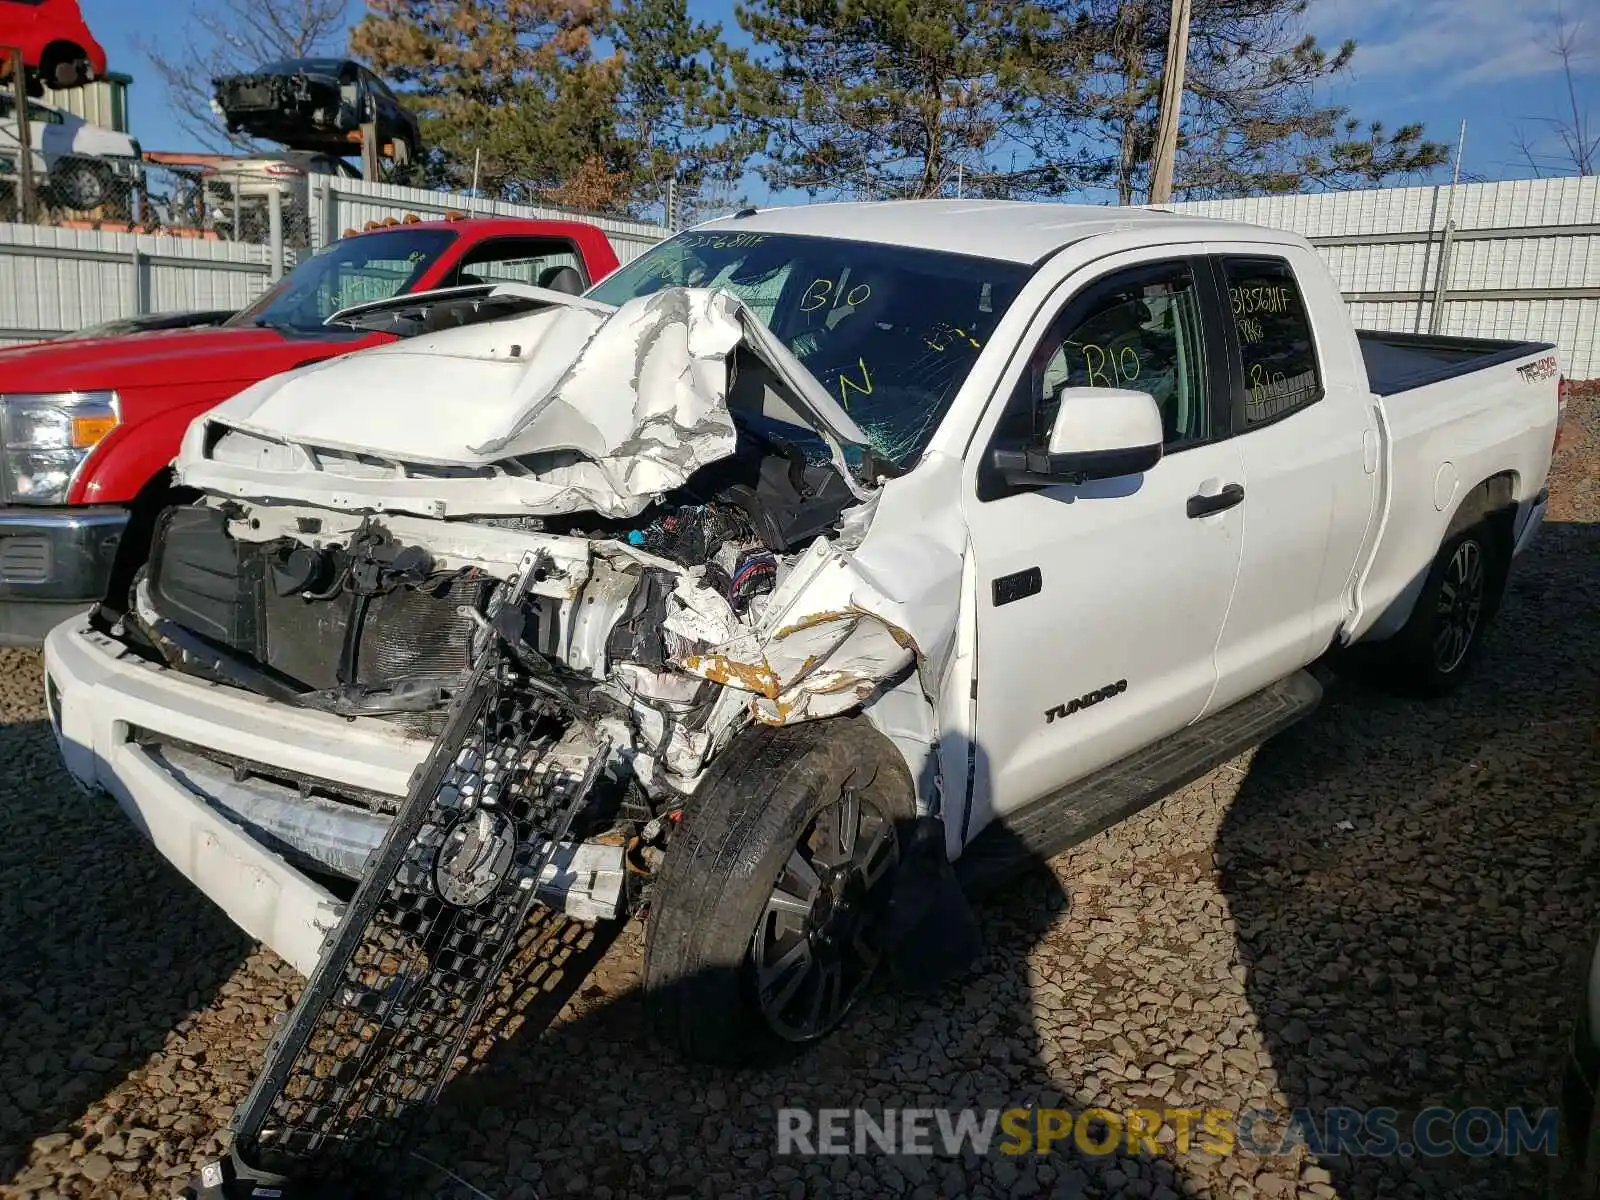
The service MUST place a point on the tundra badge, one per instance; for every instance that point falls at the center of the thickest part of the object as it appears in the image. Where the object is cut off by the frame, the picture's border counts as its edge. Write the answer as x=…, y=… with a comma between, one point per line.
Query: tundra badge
x=1063, y=711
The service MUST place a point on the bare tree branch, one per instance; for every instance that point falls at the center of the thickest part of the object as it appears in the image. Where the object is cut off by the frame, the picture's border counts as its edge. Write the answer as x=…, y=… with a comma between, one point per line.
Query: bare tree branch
x=1580, y=142
x=226, y=37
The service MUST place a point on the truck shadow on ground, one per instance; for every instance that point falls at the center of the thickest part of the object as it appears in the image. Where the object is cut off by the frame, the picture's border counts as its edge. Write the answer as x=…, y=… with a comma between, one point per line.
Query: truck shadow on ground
x=1389, y=858
x=595, y=1106
x=106, y=949
x=1375, y=860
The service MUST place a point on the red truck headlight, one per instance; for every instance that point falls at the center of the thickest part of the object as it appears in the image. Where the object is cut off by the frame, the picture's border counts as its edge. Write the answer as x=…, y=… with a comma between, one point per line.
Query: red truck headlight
x=45, y=439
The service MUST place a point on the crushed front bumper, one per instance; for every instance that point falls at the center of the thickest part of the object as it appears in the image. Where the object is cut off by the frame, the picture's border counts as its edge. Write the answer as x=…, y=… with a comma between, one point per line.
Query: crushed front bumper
x=54, y=563
x=103, y=700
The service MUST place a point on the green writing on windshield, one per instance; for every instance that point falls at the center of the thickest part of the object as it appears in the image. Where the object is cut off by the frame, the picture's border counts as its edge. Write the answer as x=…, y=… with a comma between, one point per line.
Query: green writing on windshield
x=1110, y=368
x=846, y=383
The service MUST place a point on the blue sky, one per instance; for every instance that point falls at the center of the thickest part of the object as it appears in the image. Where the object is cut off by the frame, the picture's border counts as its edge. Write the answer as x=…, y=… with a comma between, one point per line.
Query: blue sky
x=1437, y=61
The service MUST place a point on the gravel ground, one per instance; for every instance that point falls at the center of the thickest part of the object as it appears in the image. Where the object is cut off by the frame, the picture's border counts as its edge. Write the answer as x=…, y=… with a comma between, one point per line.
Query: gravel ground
x=1388, y=905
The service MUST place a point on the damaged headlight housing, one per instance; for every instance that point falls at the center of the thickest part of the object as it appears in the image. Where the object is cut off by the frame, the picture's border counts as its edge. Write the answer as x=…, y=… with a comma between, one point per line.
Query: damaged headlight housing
x=44, y=440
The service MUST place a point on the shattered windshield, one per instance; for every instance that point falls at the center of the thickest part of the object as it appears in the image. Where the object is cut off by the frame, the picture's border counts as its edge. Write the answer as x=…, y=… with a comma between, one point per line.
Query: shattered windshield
x=354, y=270
x=889, y=331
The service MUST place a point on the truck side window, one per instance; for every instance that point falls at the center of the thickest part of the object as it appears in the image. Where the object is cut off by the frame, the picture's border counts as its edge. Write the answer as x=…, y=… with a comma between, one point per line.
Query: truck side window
x=1137, y=329
x=533, y=261
x=1279, y=357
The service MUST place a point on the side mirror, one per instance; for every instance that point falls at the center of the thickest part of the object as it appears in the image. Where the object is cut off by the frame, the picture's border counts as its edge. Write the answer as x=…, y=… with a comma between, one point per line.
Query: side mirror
x=1099, y=433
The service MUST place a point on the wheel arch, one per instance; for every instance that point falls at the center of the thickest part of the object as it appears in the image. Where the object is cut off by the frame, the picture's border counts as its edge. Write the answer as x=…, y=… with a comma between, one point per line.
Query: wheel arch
x=1491, y=501
x=1494, y=499
x=1492, y=504
x=906, y=719
x=58, y=51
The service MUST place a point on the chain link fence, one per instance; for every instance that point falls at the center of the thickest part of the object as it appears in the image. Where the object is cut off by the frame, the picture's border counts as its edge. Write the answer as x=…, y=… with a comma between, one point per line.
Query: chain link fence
x=131, y=196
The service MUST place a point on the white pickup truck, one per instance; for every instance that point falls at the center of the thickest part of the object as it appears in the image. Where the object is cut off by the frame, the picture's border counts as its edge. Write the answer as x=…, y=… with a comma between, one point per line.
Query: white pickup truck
x=825, y=536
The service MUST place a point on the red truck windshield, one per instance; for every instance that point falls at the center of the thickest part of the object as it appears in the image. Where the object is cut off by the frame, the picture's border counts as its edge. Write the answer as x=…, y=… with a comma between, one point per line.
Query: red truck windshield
x=374, y=266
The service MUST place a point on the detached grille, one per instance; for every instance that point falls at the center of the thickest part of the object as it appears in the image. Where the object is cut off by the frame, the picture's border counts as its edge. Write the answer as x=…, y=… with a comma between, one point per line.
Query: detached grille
x=398, y=1003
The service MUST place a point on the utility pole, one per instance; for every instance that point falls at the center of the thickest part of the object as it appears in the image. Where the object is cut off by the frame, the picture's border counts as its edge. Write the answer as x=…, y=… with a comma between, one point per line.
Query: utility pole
x=1441, y=274
x=370, y=150
x=1171, y=103
x=19, y=91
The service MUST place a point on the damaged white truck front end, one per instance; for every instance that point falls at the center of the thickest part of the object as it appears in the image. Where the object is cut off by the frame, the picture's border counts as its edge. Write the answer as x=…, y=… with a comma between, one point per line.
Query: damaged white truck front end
x=354, y=524
x=459, y=448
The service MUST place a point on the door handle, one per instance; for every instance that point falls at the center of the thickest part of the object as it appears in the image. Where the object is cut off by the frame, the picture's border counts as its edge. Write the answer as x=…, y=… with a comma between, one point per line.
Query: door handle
x=1017, y=586
x=1204, y=506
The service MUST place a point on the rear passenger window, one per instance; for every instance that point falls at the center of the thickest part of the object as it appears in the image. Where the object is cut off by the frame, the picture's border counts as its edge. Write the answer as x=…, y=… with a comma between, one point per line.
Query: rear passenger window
x=1280, y=360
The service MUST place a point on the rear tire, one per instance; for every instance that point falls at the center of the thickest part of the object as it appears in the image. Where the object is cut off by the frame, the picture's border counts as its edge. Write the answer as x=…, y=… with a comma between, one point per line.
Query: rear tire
x=766, y=923
x=1436, y=648
x=71, y=73
x=80, y=184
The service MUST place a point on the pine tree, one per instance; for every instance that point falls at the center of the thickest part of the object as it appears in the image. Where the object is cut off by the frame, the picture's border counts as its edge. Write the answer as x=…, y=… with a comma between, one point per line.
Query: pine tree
x=886, y=98
x=1251, y=119
x=510, y=90
x=678, y=118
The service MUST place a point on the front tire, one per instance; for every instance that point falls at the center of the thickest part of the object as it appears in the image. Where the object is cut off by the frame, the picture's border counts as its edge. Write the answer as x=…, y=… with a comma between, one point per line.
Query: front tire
x=766, y=923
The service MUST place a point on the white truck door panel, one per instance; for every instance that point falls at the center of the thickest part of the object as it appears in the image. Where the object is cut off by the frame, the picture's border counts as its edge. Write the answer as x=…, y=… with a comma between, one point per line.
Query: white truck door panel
x=1303, y=480
x=1310, y=498
x=1099, y=604
x=1132, y=595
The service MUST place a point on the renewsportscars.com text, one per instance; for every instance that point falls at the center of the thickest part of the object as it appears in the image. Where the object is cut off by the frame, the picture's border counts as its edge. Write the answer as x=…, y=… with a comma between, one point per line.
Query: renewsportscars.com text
x=1376, y=1132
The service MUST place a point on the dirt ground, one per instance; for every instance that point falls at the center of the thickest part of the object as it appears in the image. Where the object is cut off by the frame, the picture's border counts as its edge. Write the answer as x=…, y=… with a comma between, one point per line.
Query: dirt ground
x=1388, y=906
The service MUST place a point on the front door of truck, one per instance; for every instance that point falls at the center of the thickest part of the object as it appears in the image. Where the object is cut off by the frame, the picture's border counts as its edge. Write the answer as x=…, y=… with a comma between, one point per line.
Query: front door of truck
x=1099, y=605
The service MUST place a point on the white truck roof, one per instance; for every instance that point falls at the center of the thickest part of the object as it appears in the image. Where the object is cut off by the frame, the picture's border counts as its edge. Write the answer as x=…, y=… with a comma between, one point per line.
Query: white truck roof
x=1016, y=230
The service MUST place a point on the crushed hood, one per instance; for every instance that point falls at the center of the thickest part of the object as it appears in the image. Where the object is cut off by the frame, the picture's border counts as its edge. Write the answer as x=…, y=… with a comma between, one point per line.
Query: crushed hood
x=574, y=407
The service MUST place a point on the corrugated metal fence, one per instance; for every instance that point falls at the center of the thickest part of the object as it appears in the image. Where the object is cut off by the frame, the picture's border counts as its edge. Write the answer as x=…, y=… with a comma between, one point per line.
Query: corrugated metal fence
x=1520, y=259
x=59, y=280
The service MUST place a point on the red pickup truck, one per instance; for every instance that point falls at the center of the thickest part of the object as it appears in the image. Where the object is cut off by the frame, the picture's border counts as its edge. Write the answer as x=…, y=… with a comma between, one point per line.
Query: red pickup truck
x=58, y=50
x=86, y=425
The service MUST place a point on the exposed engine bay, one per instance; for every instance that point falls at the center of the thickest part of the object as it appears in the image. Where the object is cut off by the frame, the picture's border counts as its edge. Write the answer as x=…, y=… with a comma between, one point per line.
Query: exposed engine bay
x=698, y=506
x=378, y=616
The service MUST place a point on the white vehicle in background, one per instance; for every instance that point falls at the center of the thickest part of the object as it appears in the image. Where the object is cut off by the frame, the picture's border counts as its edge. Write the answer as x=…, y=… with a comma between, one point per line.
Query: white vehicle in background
x=238, y=190
x=79, y=165
x=852, y=541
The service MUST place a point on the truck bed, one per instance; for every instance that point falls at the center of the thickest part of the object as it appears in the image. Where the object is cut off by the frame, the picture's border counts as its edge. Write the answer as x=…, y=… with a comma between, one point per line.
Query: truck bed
x=1399, y=362
x=1456, y=414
